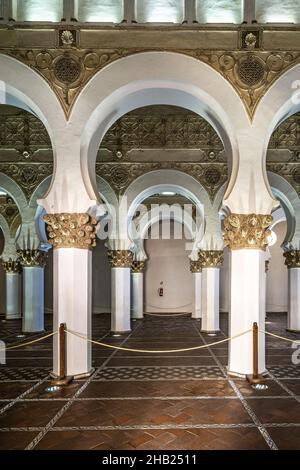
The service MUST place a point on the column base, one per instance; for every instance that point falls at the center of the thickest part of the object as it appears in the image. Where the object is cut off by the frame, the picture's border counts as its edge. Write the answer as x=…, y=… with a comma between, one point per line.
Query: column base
x=255, y=380
x=238, y=375
x=290, y=330
x=210, y=331
x=27, y=332
x=121, y=333
x=73, y=377
x=13, y=317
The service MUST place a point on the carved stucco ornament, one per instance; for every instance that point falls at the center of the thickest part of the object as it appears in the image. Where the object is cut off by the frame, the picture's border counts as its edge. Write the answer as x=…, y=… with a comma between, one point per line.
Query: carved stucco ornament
x=250, y=72
x=247, y=231
x=32, y=258
x=71, y=230
x=292, y=259
x=195, y=266
x=12, y=266
x=120, y=258
x=210, y=258
x=137, y=266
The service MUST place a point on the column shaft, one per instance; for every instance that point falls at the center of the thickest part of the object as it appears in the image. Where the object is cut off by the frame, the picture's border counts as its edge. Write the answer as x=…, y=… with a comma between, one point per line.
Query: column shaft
x=72, y=305
x=120, y=299
x=196, y=312
x=13, y=295
x=137, y=294
x=294, y=299
x=33, y=299
x=247, y=305
x=210, y=299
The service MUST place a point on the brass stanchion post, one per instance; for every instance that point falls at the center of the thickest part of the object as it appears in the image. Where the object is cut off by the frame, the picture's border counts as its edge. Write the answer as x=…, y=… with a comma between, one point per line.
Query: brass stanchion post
x=255, y=378
x=62, y=379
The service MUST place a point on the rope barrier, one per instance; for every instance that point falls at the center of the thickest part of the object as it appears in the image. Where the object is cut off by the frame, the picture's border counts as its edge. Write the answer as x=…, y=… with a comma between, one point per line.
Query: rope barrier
x=163, y=351
x=20, y=345
x=166, y=314
x=280, y=337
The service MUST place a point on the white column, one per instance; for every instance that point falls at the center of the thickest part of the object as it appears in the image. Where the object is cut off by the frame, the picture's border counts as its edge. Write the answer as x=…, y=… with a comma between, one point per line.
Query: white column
x=247, y=299
x=197, y=280
x=120, y=300
x=248, y=11
x=72, y=305
x=210, y=299
x=137, y=291
x=33, y=299
x=190, y=15
x=70, y=10
x=13, y=295
x=293, y=323
x=129, y=11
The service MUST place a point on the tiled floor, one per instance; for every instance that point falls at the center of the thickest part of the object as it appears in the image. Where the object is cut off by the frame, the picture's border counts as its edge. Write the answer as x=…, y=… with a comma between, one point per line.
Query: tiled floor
x=182, y=400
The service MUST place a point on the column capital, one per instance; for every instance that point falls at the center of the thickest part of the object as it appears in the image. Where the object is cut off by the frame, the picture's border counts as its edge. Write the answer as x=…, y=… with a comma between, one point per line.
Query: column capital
x=71, y=230
x=32, y=258
x=137, y=266
x=244, y=231
x=195, y=266
x=12, y=266
x=210, y=258
x=292, y=259
x=120, y=258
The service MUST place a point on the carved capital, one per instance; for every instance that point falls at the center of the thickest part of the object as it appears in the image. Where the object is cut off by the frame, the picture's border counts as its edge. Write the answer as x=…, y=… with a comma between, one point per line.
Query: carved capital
x=71, y=230
x=195, y=266
x=247, y=231
x=137, y=266
x=12, y=266
x=32, y=258
x=210, y=258
x=120, y=258
x=292, y=259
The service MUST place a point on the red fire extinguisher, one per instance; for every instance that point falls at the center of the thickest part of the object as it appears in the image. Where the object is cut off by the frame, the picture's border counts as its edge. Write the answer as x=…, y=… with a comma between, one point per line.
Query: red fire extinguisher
x=161, y=290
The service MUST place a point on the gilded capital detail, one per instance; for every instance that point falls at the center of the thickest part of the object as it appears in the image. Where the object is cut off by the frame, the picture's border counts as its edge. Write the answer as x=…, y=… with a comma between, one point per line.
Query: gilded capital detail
x=292, y=259
x=210, y=258
x=195, y=266
x=71, y=230
x=32, y=258
x=137, y=266
x=11, y=266
x=120, y=258
x=244, y=231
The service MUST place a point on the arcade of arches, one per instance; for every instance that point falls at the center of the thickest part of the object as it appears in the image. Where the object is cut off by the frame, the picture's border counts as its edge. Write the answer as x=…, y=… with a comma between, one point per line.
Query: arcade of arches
x=149, y=199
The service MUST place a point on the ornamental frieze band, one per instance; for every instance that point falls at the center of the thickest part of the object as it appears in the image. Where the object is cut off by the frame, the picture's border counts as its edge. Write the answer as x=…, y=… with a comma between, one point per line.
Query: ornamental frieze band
x=250, y=231
x=71, y=230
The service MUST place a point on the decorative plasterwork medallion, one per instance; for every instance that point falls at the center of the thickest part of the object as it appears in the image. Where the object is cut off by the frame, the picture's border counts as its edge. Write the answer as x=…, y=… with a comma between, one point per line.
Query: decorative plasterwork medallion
x=71, y=230
x=137, y=266
x=210, y=258
x=32, y=258
x=120, y=258
x=292, y=259
x=247, y=231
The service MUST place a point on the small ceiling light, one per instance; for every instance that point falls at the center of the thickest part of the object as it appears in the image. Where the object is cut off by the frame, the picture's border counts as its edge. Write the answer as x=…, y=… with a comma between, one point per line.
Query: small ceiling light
x=115, y=335
x=53, y=389
x=20, y=336
x=260, y=386
x=211, y=334
x=168, y=193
